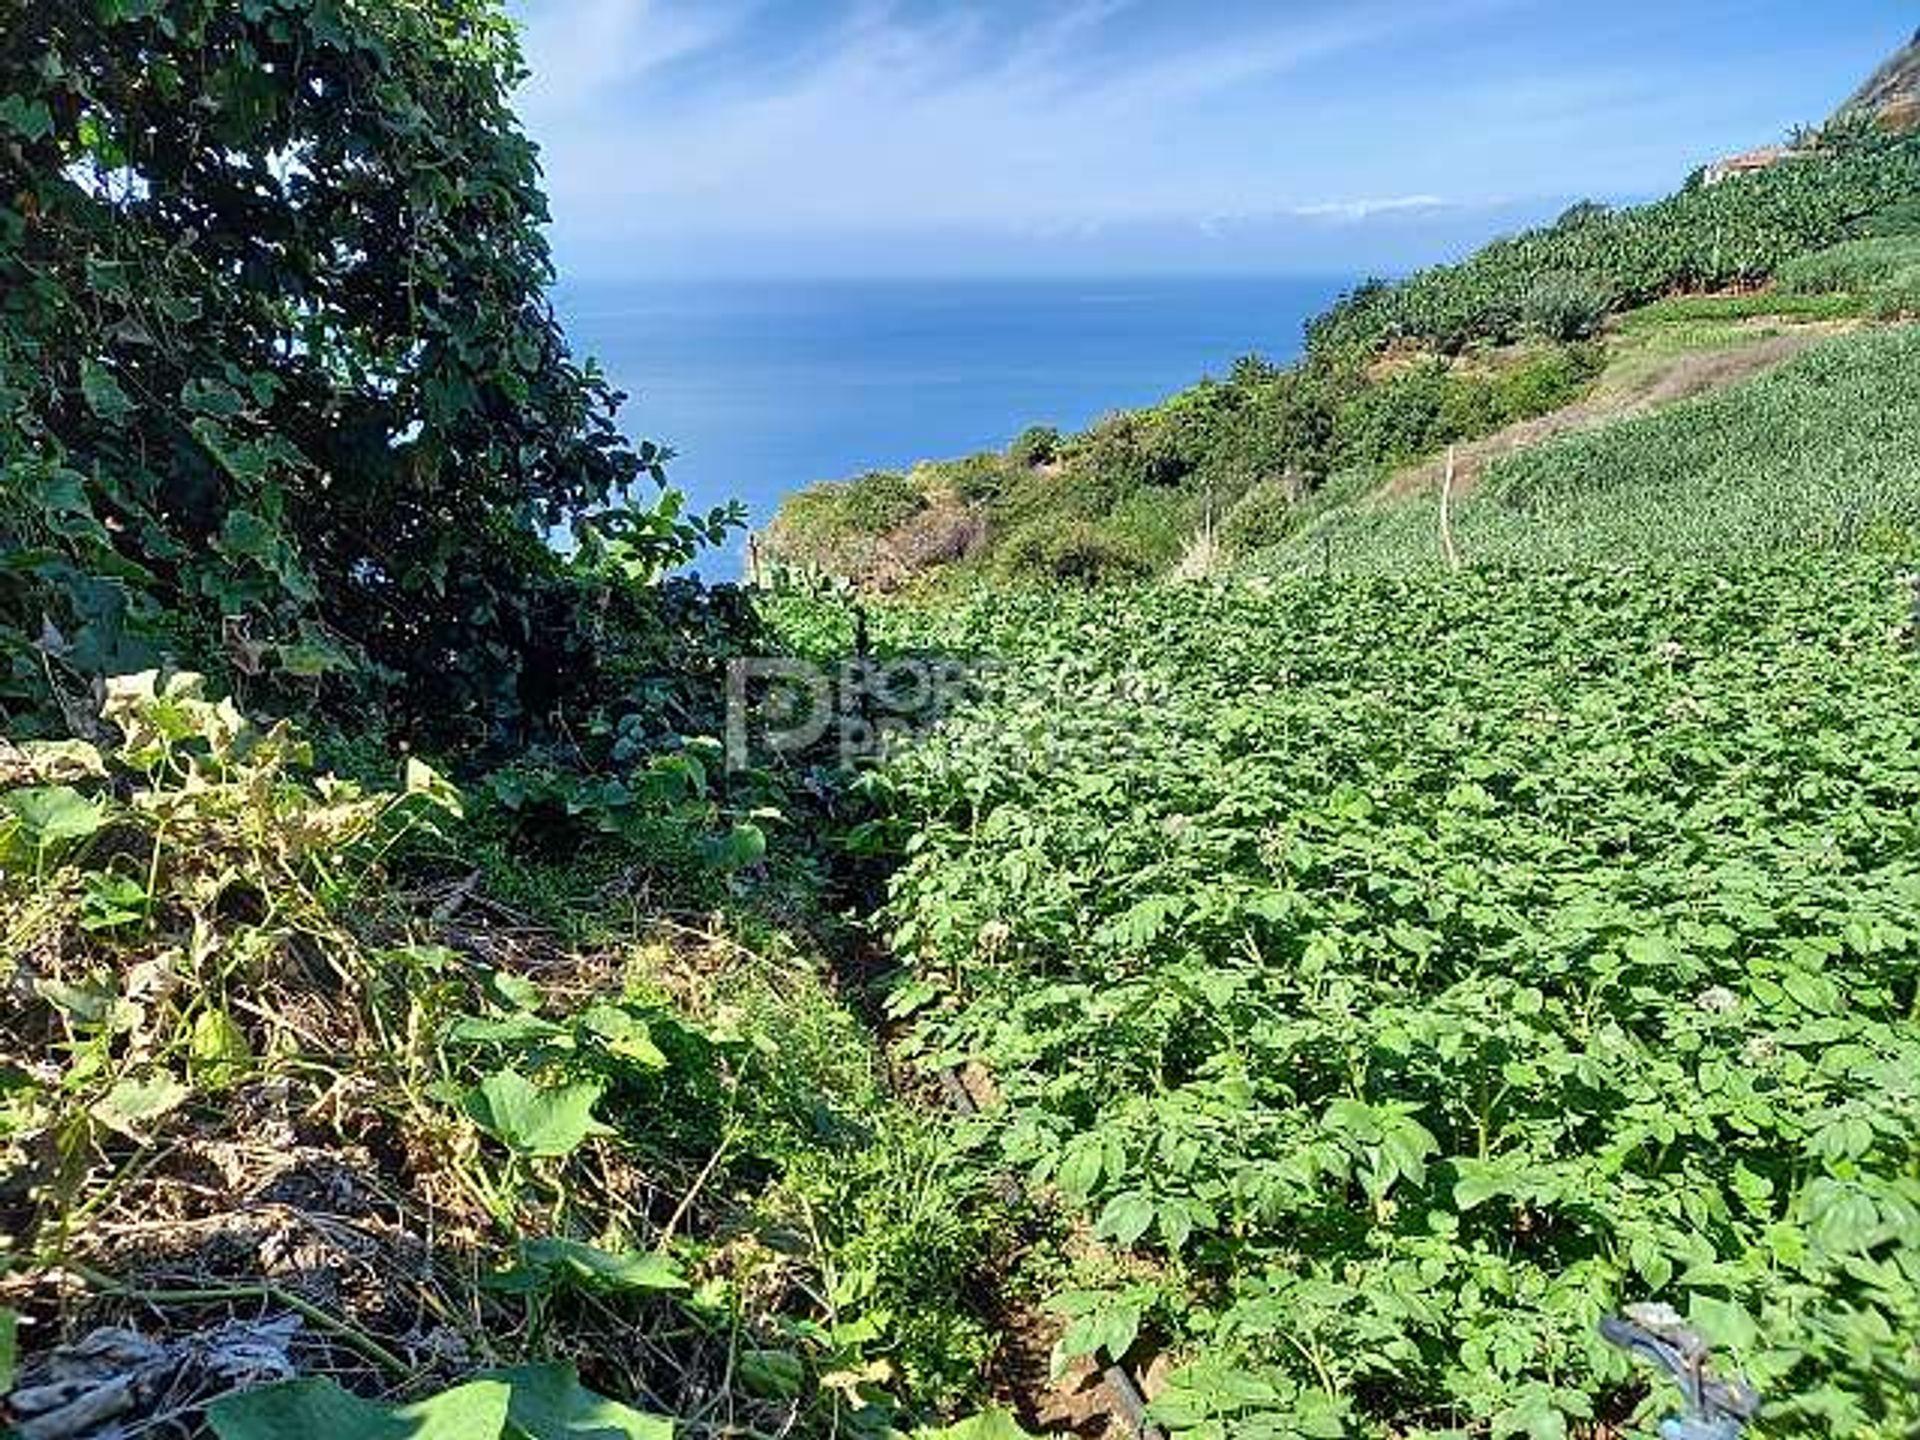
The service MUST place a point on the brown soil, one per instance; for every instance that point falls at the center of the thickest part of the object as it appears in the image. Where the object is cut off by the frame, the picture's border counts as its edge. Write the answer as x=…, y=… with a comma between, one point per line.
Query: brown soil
x=1078, y=1403
x=1650, y=387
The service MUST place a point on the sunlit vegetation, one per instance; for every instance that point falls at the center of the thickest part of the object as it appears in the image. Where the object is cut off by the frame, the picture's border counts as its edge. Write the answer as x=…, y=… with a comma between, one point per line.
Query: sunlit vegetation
x=1736, y=233
x=1805, y=457
x=1124, y=498
x=1394, y=374
x=1400, y=974
x=508, y=1095
x=1375, y=958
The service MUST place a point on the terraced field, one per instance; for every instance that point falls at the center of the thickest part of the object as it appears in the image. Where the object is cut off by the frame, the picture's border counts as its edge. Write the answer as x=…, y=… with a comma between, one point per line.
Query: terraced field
x=1399, y=974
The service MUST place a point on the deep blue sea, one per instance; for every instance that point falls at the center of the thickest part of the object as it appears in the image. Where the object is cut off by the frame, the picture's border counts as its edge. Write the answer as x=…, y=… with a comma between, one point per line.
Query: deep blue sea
x=765, y=387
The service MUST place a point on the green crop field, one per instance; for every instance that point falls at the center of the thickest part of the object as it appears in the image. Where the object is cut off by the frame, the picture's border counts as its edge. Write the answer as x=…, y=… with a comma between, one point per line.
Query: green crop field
x=1400, y=974
x=1704, y=238
x=465, y=976
x=1805, y=457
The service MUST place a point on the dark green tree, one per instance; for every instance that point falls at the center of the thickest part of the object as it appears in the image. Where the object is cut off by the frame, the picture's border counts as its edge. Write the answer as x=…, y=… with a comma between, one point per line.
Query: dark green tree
x=280, y=388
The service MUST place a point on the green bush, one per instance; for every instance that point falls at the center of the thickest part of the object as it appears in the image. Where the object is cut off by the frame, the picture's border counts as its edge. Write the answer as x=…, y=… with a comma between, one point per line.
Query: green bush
x=976, y=479
x=1079, y=552
x=880, y=501
x=1128, y=450
x=836, y=526
x=1398, y=418
x=1263, y=517
x=1565, y=307
x=1546, y=382
x=304, y=424
x=1036, y=445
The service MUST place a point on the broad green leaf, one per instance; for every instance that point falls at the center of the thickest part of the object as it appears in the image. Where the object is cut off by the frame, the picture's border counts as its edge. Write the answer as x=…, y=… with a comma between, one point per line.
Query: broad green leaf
x=742, y=846
x=51, y=815
x=321, y=1410
x=1842, y=1217
x=132, y=1106
x=219, y=1051
x=103, y=394
x=774, y=1374
x=29, y=119
x=247, y=534
x=112, y=900
x=1723, y=1322
x=540, y=1122
x=988, y=1425
x=626, y=1035
x=600, y=1269
x=519, y=1029
x=548, y=1402
x=309, y=659
x=1480, y=1181
x=1126, y=1218
x=1079, y=1170
x=518, y=991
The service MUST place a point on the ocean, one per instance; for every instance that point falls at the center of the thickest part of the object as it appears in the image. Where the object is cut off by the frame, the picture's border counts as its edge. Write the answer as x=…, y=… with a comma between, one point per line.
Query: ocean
x=762, y=388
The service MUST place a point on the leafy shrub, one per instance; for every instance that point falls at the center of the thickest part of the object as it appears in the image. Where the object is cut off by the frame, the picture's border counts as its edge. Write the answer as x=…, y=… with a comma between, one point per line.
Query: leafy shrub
x=1036, y=445
x=879, y=501
x=1263, y=517
x=977, y=479
x=1546, y=382
x=1078, y=552
x=1399, y=417
x=1565, y=307
x=306, y=424
x=839, y=527
x=1126, y=451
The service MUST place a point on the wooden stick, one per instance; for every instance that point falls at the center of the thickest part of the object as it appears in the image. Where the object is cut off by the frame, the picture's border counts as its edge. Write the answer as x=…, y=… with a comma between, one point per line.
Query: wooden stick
x=1446, y=516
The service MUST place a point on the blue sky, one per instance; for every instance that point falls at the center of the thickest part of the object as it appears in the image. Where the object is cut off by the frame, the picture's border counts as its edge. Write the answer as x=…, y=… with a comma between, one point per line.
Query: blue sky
x=932, y=137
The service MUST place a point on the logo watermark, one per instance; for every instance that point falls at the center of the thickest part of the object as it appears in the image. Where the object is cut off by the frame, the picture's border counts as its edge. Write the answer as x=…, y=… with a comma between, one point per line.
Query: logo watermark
x=858, y=712
x=779, y=706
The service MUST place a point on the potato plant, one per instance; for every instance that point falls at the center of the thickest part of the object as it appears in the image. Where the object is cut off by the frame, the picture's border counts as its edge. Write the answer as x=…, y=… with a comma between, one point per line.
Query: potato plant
x=1399, y=975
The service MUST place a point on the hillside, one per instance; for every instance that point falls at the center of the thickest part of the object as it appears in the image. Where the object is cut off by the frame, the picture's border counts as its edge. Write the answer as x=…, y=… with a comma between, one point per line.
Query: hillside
x=1560, y=322
x=1401, y=983
x=1891, y=96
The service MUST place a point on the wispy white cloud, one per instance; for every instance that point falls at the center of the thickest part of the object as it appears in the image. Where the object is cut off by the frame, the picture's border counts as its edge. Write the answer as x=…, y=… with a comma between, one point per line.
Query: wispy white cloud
x=1045, y=117
x=673, y=125
x=1367, y=209
x=583, y=52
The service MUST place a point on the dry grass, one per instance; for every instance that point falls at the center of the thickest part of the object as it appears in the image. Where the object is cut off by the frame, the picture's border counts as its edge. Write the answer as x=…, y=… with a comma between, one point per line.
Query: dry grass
x=339, y=1212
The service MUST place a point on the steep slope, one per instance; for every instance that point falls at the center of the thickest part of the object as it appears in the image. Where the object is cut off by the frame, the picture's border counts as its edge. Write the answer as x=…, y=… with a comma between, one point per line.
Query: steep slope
x=1892, y=95
x=1394, y=374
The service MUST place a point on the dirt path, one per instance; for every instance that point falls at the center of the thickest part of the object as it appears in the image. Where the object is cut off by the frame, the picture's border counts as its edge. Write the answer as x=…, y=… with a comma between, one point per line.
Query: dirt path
x=1635, y=388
